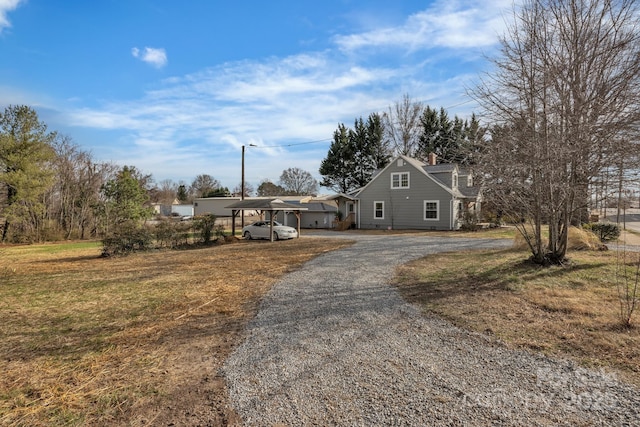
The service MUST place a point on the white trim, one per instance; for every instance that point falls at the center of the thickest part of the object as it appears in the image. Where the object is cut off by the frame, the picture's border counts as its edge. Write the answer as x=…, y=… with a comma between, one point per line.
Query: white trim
x=424, y=210
x=375, y=210
x=400, y=187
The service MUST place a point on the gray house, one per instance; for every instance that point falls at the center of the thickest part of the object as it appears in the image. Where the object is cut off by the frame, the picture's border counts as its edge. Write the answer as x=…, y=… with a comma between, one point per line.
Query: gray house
x=410, y=194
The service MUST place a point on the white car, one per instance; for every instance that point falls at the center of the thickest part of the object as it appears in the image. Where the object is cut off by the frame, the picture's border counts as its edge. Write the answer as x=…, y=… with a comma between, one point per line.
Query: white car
x=260, y=230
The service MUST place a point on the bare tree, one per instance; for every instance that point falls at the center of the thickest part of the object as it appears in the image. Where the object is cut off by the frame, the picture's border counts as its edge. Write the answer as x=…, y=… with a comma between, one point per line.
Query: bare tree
x=402, y=126
x=298, y=182
x=75, y=191
x=166, y=192
x=564, y=101
x=248, y=190
x=203, y=185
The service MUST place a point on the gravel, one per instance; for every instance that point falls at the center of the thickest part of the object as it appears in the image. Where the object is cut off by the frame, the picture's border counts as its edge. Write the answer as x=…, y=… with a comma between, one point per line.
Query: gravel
x=334, y=344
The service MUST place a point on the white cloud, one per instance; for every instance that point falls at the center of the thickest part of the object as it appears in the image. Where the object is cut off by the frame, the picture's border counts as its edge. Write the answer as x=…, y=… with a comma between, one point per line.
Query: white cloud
x=150, y=55
x=5, y=7
x=201, y=120
x=447, y=23
x=197, y=123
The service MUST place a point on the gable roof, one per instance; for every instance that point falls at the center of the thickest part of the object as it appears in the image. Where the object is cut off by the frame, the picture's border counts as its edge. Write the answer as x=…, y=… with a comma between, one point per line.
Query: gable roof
x=343, y=195
x=421, y=167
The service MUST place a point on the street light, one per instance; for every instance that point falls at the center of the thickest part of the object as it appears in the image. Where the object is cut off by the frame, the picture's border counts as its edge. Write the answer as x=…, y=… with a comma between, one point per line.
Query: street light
x=242, y=185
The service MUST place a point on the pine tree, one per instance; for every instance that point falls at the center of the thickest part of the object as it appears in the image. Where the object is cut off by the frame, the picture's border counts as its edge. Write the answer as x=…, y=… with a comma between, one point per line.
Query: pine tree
x=25, y=172
x=337, y=166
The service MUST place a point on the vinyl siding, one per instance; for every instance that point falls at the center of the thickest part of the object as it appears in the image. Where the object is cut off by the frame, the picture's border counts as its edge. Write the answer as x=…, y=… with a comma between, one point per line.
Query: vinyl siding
x=404, y=207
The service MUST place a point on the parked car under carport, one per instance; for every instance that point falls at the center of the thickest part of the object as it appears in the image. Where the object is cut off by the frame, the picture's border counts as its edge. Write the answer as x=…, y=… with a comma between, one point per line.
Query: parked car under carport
x=261, y=229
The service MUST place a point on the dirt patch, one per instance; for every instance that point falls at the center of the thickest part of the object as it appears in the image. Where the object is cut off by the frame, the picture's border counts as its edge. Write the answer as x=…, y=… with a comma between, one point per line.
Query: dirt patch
x=194, y=393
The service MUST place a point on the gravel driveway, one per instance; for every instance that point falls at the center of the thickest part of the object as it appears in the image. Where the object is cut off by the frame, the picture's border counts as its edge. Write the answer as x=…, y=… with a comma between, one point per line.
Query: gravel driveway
x=334, y=344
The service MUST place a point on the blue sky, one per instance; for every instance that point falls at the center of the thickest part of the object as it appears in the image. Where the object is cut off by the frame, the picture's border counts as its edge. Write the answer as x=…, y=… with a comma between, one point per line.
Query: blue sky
x=176, y=88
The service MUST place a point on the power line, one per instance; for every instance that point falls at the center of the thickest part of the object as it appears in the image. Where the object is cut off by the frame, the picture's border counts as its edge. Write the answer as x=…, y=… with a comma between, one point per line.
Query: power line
x=294, y=144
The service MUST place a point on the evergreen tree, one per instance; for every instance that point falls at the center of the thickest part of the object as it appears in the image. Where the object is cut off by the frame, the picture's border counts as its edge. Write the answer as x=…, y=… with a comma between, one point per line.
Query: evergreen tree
x=182, y=194
x=25, y=172
x=355, y=155
x=362, y=160
x=453, y=141
x=219, y=192
x=378, y=147
x=337, y=166
x=125, y=200
x=268, y=189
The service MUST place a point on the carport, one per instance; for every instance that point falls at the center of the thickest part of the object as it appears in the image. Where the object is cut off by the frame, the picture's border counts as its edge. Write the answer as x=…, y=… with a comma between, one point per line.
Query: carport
x=264, y=205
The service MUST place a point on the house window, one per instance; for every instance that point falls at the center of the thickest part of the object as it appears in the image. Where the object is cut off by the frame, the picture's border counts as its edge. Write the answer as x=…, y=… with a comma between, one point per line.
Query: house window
x=378, y=210
x=455, y=181
x=431, y=210
x=400, y=180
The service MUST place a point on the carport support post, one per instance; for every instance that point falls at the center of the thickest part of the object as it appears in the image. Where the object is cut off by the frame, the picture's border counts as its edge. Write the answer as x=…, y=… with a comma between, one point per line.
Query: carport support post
x=241, y=193
x=233, y=222
x=297, y=214
x=271, y=226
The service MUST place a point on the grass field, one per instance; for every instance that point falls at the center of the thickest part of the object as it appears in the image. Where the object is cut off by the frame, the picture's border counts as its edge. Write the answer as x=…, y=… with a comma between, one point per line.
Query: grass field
x=86, y=340
x=139, y=340
x=569, y=311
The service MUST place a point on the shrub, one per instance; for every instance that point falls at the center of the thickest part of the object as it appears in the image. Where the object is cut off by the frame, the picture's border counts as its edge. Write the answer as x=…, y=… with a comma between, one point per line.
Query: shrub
x=127, y=238
x=205, y=226
x=606, y=231
x=171, y=233
x=628, y=285
x=164, y=232
x=469, y=221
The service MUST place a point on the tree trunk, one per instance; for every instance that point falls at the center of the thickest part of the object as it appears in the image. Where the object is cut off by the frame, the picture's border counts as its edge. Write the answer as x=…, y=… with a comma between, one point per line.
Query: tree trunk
x=5, y=230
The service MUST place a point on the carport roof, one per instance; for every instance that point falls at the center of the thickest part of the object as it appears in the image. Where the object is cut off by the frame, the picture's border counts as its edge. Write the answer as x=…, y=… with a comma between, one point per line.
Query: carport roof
x=265, y=205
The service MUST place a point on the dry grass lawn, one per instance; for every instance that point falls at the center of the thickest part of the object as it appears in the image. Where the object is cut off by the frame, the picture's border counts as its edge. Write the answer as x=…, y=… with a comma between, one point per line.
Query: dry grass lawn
x=570, y=311
x=136, y=340
x=139, y=340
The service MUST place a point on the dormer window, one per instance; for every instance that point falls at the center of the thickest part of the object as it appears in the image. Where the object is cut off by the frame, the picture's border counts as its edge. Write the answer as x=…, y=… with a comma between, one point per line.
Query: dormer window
x=400, y=180
x=454, y=181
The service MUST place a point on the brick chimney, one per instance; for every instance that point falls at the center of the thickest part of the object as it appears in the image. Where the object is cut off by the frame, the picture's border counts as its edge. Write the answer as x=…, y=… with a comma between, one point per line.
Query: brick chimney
x=432, y=159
